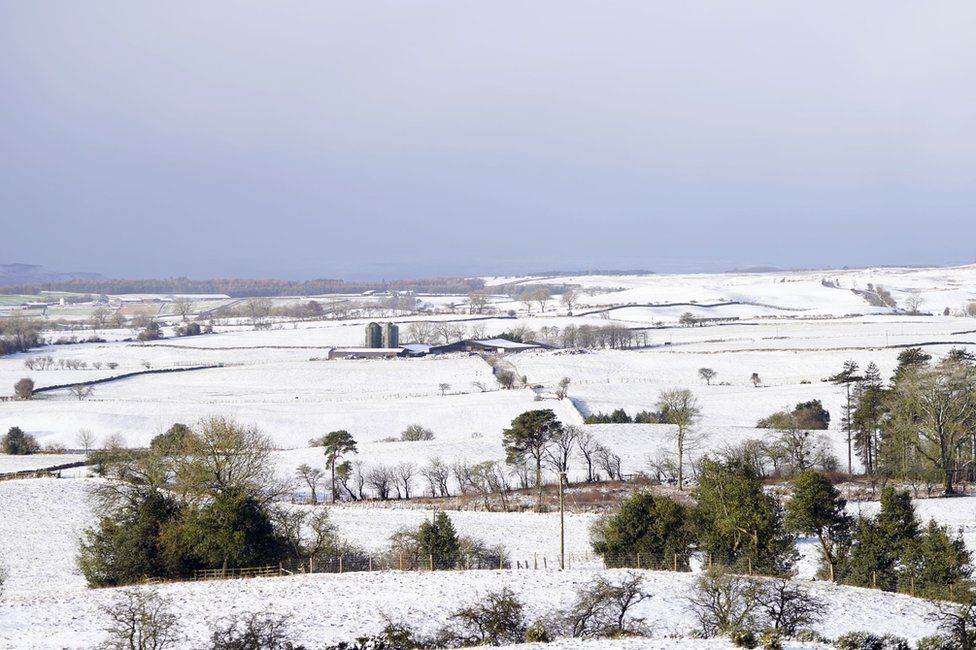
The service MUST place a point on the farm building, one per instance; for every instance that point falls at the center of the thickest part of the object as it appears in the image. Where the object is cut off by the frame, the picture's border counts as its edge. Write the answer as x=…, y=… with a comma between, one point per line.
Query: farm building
x=493, y=346
x=365, y=353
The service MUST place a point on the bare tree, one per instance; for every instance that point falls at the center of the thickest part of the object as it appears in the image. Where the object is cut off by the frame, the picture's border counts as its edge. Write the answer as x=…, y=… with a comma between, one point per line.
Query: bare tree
x=380, y=479
x=588, y=446
x=603, y=609
x=680, y=408
x=707, y=374
x=913, y=303
x=561, y=449
x=421, y=332
x=563, y=389
x=609, y=462
x=403, y=474
x=24, y=388
x=312, y=477
x=542, y=297
x=489, y=479
x=86, y=438
x=568, y=298
x=183, y=306
x=82, y=391
x=437, y=474
x=443, y=387
x=477, y=302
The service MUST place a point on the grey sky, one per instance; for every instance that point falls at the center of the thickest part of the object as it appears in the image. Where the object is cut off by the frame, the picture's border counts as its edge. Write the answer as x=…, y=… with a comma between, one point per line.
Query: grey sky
x=418, y=137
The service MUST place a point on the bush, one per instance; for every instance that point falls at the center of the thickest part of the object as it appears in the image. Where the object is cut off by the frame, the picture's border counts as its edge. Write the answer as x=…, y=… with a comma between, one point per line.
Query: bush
x=416, y=433
x=24, y=388
x=869, y=641
x=771, y=640
x=602, y=608
x=141, y=619
x=259, y=631
x=17, y=443
x=498, y=620
x=937, y=643
x=742, y=638
x=723, y=602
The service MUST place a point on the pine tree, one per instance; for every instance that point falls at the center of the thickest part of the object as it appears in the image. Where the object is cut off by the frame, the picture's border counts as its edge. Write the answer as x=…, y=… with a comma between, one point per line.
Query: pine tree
x=738, y=523
x=817, y=508
x=438, y=542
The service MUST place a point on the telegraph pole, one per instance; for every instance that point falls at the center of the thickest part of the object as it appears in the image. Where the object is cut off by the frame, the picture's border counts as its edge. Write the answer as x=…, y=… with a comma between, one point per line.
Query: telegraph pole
x=562, y=522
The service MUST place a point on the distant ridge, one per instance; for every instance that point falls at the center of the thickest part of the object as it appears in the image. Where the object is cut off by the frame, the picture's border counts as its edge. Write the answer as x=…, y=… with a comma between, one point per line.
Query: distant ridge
x=27, y=274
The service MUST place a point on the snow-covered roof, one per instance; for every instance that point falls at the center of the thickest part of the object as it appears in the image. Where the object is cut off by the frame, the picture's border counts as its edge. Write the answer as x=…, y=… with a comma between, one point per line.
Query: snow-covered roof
x=505, y=343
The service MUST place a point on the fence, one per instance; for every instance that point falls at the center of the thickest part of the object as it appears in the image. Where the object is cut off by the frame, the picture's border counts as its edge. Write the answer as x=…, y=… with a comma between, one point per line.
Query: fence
x=409, y=561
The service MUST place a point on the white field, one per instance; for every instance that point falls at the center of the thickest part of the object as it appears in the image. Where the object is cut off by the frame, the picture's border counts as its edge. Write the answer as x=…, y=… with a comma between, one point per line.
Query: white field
x=47, y=606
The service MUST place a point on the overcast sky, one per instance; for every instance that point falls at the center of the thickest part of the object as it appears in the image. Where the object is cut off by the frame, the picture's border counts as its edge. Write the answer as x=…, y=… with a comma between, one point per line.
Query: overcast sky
x=313, y=138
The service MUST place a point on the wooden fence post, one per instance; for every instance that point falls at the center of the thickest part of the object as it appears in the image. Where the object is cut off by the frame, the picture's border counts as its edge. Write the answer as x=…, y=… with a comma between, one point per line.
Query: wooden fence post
x=675, y=561
x=750, y=566
x=340, y=564
x=638, y=560
x=431, y=561
x=401, y=561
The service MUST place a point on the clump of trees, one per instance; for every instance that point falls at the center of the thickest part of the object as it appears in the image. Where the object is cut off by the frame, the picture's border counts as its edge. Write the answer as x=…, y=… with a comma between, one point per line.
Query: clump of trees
x=734, y=522
x=151, y=332
x=19, y=334
x=894, y=552
x=805, y=415
x=416, y=433
x=202, y=499
x=918, y=427
x=17, y=443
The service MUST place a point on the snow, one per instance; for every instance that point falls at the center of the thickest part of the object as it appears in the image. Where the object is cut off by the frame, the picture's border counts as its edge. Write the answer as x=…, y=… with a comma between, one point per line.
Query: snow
x=351, y=605
x=10, y=463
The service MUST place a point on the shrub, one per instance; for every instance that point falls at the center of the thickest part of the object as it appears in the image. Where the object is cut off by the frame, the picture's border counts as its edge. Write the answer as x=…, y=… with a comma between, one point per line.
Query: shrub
x=415, y=433
x=141, y=619
x=937, y=643
x=602, y=608
x=742, y=638
x=771, y=640
x=723, y=602
x=498, y=620
x=869, y=641
x=258, y=631
x=17, y=443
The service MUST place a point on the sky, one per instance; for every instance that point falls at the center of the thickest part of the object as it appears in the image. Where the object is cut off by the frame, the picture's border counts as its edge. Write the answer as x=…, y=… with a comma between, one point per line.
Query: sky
x=406, y=138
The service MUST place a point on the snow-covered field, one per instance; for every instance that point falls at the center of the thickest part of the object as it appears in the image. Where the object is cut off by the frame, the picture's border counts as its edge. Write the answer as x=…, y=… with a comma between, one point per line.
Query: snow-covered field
x=331, y=608
x=793, y=329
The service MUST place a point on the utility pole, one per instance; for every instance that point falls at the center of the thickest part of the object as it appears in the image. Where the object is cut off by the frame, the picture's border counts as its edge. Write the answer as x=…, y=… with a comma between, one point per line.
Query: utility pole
x=562, y=521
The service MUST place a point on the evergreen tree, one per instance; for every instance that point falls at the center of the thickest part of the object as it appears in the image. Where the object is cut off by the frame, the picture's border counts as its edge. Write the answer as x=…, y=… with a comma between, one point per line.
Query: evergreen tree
x=817, y=508
x=337, y=444
x=528, y=437
x=939, y=565
x=880, y=544
x=737, y=522
x=849, y=375
x=437, y=539
x=17, y=443
x=656, y=528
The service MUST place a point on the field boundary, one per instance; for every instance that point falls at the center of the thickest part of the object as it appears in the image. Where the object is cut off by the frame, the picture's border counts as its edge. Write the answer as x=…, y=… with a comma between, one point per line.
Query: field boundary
x=127, y=375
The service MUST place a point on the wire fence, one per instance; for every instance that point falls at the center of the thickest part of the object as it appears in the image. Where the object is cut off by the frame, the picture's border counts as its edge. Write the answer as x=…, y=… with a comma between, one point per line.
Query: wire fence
x=411, y=561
